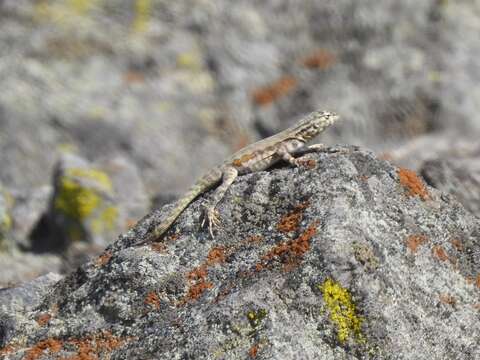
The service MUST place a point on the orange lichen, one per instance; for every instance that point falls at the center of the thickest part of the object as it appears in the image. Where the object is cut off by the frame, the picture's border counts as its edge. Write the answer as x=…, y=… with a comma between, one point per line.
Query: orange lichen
x=414, y=241
x=414, y=185
x=7, y=350
x=198, y=283
x=96, y=346
x=321, y=59
x=289, y=252
x=159, y=247
x=216, y=255
x=308, y=163
x=291, y=221
x=447, y=299
x=457, y=244
x=130, y=223
x=200, y=272
x=132, y=77
x=104, y=258
x=253, y=351
x=152, y=300
x=439, y=252
x=197, y=290
x=43, y=319
x=91, y=347
x=51, y=345
x=268, y=94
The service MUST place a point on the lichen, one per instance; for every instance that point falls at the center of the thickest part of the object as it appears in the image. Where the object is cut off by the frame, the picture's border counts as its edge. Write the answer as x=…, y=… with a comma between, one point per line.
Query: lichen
x=75, y=200
x=5, y=222
x=98, y=176
x=255, y=317
x=79, y=201
x=342, y=311
x=143, y=12
x=106, y=221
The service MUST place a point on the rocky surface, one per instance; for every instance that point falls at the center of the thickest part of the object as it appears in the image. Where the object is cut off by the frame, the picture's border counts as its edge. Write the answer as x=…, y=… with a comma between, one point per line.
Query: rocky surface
x=154, y=92
x=457, y=172
x=348, y=258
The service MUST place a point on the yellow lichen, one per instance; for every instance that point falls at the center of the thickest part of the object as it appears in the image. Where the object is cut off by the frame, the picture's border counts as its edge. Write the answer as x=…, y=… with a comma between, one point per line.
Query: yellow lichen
x=106, y=221
x=75, y=200
x=342, y=310
x=6, y=222
x=190, y=60
x=82, y=6
x=256, y=317
x=99, y=177
x=143, y=11
x=79, y=196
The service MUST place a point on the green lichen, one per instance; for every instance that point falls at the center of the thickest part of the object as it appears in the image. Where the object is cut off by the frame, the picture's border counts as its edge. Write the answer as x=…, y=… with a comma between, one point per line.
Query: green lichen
x=256, y=317
x=342, y=311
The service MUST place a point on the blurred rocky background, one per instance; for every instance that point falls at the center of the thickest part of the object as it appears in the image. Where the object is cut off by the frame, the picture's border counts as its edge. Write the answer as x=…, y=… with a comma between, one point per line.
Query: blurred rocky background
x=110, y=108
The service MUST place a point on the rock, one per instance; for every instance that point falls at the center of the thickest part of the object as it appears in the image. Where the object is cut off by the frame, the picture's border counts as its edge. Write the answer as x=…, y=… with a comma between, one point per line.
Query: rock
x=28, y=208
x=348, y=258
x=28, y=295
x=19, y=300
x=83, y=208
x=18, y=267
x=414, y=153
x=457, y=172
x=134, y=203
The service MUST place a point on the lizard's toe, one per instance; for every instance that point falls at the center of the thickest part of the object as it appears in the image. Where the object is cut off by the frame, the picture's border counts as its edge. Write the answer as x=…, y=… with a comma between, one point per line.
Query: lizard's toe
x=213, y=220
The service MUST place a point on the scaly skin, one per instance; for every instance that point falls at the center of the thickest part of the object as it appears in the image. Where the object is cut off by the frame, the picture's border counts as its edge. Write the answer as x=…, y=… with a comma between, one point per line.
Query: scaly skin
x=254, y=157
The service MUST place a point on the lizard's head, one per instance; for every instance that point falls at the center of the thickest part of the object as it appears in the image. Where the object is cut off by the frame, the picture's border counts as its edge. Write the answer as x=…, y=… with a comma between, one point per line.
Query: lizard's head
x=313, y=124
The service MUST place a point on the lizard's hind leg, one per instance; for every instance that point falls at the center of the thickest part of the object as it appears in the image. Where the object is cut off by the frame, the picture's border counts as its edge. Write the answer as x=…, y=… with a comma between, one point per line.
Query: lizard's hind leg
x=211, y=214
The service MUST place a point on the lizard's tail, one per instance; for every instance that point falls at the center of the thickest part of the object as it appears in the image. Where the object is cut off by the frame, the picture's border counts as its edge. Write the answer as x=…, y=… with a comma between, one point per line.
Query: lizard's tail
x=202, y=185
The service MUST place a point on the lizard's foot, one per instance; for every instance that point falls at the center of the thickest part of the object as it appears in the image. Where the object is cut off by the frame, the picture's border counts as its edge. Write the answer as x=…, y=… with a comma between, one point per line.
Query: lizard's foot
x=213, y=218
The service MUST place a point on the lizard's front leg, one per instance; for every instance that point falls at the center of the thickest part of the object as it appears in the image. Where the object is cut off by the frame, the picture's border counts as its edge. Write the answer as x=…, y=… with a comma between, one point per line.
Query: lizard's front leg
x=211, y=214
x=290, y=150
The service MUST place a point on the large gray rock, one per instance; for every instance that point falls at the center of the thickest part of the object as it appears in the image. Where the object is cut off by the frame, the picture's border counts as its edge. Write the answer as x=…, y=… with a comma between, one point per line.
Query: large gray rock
x=348, y=258
x=18, y=267
x=457, y=172
x=90, y=204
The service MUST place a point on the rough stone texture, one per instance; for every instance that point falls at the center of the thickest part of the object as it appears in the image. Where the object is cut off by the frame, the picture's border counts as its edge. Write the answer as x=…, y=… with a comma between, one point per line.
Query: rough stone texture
x=28, y=295
x=351, y=258
x=170, y=90
x=88, y=206
x=457, y=172
x=83, y=207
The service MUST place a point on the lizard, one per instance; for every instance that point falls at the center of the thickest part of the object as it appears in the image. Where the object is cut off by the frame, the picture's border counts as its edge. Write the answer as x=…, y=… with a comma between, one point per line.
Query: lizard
x=255, y=157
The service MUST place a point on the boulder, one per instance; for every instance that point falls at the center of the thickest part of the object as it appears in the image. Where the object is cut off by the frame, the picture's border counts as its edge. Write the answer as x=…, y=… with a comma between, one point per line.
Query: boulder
x=349, y=257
